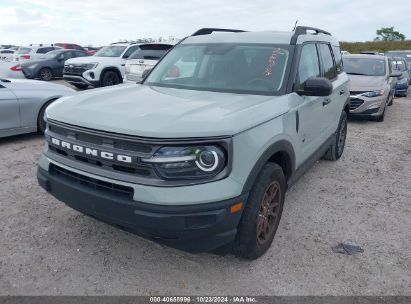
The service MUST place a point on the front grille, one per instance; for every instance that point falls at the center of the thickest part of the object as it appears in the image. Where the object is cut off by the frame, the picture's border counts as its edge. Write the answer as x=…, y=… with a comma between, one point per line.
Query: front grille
x=102, y=141
x=75, y=70
x=355, y=103
x=92, y=183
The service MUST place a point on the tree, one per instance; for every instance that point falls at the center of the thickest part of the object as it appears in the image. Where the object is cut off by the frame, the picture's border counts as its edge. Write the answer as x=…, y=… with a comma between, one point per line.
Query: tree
x=388, y=34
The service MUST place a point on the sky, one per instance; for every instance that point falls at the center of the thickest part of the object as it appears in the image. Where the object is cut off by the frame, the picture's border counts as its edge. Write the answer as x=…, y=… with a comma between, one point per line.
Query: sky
x=92, y=22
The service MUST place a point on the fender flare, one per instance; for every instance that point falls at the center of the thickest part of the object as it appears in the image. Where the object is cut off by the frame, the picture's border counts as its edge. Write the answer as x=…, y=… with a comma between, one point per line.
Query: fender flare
x=279, y=146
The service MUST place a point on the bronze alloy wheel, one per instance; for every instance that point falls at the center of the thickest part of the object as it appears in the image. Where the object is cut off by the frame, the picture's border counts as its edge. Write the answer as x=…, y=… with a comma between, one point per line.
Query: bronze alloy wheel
x=269, y=213
x=342, y=135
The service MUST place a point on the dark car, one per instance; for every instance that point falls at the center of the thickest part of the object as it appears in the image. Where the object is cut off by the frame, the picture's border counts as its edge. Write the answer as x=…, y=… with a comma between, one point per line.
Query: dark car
x=404, y=54
x=399, y=64
x=50, y=65
x=73, y=46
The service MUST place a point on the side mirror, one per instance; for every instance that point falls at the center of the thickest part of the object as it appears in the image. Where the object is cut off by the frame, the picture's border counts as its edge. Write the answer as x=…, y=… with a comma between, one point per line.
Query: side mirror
x=145, y=73
x=395, y=74
x=317, y=86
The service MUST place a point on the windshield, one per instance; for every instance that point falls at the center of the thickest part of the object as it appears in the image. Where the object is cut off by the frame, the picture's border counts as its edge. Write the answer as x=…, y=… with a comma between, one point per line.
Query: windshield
x=50, y=54
x=23, y=51
x=111, y=51
x=364, y=66
x=226, y=67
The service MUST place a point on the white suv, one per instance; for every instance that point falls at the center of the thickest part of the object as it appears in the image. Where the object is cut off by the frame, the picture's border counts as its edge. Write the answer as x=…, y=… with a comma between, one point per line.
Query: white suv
x=146, y=57
x=33, y=51
x=105, y=68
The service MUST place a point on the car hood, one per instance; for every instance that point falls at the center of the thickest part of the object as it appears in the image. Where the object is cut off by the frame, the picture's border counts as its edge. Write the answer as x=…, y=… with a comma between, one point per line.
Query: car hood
x=25, y=85
x=366, y=83
x=157, y=112
x=90, y=59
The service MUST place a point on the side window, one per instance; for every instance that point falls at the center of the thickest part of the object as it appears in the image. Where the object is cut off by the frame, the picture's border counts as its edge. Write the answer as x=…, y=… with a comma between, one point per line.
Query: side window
x=44, y=50
x=80, y=54
x=130, y=50
x=308, y=66
x=338, y=59
x=329, y=68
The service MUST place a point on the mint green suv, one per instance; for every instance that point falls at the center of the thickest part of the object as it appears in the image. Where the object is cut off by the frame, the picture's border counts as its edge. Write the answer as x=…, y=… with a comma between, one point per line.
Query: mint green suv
x=199, y=155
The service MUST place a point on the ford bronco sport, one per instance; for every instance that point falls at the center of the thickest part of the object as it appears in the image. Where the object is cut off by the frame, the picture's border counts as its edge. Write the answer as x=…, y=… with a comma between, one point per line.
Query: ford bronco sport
x=199, y=155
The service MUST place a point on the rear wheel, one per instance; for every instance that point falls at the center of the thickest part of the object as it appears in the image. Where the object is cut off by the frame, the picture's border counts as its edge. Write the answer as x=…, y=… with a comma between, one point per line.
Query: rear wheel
x=110, y=78
x=45, y=74
x=261, y=214
x=337, y=148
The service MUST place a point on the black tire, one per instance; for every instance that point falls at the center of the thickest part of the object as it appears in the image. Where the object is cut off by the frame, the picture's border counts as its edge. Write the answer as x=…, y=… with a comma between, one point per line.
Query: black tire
x=41, y=123
x=80, y=86
x=250, y=242
x=381, y=117
x=391, y=101
x=45, y=74
x=110, y=78
x=337, y=148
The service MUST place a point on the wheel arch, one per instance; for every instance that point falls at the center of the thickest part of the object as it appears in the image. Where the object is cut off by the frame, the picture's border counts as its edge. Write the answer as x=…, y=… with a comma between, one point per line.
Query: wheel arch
x=44, y=105
x=281, y=153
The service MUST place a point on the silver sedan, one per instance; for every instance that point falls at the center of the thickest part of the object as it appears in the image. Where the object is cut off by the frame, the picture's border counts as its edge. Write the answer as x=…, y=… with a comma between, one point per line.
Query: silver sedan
x=23, y=102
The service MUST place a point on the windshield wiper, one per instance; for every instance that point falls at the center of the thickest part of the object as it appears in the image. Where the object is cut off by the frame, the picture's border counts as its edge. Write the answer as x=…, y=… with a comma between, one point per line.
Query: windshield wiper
x=4, y=80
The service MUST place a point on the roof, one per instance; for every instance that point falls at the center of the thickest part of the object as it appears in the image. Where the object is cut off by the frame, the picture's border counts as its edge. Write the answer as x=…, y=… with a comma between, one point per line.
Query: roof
x=365, y=56
x=269, y=37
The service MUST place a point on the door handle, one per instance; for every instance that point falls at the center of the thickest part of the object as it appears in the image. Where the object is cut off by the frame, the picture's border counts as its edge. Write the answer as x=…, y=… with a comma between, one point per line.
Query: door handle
x=342, y=92
x=326, y=101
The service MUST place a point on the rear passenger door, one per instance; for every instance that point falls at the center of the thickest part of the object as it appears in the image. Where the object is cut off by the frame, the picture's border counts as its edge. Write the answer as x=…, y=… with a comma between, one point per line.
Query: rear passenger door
x=331, y=68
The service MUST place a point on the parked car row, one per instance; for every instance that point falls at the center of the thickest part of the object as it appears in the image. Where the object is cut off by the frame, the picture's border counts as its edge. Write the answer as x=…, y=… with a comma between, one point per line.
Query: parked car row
x=175, y=161
x=113, y=63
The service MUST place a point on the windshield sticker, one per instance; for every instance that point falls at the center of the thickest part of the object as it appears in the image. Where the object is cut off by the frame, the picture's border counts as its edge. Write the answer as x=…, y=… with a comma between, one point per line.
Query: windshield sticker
x=271, y=62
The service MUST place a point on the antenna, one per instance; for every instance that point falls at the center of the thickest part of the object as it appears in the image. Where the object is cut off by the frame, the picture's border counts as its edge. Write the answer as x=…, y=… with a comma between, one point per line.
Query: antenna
x=295, y=25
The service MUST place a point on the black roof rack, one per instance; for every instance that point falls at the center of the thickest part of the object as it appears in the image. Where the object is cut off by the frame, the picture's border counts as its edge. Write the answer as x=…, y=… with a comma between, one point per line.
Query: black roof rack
x=302, y=30
x=207, y=31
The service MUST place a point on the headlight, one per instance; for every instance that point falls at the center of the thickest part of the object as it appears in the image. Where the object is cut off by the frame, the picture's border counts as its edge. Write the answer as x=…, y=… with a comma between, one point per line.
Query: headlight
x=90, y=66
x=402, y=80
x=189, y=162
x=373, y=93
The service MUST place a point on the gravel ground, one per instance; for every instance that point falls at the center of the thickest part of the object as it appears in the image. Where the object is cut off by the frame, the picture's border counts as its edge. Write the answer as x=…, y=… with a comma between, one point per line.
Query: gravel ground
x=47, y=248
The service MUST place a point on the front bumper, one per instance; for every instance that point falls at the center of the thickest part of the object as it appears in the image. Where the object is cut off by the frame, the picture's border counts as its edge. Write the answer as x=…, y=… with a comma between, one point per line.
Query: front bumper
x=193, y=228
x=361, y=106
x=76, y=79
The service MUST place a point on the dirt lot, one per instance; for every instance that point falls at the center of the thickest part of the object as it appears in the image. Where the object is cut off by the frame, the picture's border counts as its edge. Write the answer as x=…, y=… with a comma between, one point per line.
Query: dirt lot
x=47, y=248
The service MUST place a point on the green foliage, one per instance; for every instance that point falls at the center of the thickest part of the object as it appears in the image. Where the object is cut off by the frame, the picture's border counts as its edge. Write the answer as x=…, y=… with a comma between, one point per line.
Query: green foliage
x=380, y=46
x=388, y=34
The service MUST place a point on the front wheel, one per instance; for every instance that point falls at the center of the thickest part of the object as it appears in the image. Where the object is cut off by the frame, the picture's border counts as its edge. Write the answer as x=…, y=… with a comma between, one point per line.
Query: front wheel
x=110, y=78
x=41, y=123
x=337, y=148
x=261, y=214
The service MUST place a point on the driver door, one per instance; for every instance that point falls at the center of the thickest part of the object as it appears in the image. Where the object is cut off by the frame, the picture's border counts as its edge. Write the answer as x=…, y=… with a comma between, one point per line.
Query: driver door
x=9, y=109
x=310, y=112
